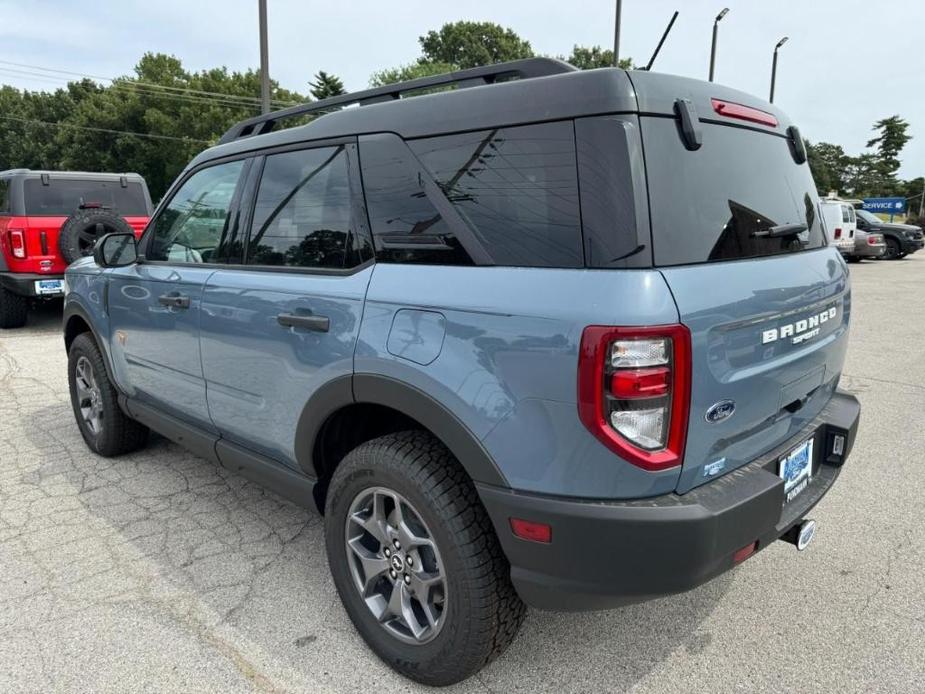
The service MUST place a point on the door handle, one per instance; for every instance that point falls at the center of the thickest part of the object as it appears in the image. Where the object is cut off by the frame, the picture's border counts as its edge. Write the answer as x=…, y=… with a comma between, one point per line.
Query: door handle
x=320, y=324
x=174, y=300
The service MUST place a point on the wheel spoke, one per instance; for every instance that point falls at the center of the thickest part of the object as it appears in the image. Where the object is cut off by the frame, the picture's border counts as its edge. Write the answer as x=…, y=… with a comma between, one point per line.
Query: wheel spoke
x=412, y=540
x=400, y=608
x=422, y=582
x=373, y=565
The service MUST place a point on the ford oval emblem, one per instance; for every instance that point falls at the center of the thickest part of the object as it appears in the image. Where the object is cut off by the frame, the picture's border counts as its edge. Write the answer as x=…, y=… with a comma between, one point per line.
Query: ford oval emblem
x=719, y=411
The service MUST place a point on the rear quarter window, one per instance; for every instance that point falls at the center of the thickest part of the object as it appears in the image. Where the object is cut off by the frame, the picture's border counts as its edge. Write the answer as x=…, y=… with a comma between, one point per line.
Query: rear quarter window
x=517, y=187
x=708, y=204
x=62, y=197
x=4, y=196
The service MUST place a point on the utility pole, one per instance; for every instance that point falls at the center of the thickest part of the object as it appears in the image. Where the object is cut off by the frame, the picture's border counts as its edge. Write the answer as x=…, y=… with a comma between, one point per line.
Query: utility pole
x=713, y=45
x=616, y=34
x=264, y=59
x=922, y=203
x=774, y=67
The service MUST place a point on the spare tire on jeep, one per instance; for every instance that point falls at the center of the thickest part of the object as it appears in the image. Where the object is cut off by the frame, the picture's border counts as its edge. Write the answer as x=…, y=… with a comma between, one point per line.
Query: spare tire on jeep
x=81, y=230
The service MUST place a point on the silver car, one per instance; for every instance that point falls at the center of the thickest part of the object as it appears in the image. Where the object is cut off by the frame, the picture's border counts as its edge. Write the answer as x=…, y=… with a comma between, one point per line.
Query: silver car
x=867, y=243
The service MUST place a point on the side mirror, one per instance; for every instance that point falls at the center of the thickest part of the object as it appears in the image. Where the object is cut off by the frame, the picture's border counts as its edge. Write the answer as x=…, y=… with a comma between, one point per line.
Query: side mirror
x=115, y=250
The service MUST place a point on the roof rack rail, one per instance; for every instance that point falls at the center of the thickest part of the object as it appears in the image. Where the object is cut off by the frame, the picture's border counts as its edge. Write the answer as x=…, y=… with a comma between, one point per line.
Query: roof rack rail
x=472, y=77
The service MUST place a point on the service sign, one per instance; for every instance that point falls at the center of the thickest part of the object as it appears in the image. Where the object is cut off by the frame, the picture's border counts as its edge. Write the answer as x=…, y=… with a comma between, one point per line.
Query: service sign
x=885, y=205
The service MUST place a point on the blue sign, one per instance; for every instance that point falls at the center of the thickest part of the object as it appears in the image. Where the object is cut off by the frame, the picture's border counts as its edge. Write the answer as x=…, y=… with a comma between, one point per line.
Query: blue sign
x=885, y=205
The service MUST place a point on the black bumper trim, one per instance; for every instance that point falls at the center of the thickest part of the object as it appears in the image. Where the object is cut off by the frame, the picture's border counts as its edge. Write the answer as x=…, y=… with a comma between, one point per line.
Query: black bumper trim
x=605, y=554
x=23, y=283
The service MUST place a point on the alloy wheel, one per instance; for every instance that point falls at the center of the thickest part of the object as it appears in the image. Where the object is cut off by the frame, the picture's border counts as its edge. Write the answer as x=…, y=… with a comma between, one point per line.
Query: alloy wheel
x=89, y=398
x=395, y=565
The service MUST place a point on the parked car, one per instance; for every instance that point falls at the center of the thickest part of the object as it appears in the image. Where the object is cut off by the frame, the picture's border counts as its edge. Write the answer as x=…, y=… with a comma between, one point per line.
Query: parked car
x=49, y=219
x=867, y=244
x=484, y=333
x=840, y=224
x=900, y=239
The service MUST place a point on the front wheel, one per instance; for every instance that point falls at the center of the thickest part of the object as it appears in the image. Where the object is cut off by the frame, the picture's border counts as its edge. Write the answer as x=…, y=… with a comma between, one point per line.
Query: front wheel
x=416, y=562
x=892, y=250
x=104, y=427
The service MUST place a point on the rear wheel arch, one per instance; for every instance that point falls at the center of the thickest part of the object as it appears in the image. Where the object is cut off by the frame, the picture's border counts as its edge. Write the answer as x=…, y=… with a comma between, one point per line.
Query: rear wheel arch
x=76, y=322
x=350, y=411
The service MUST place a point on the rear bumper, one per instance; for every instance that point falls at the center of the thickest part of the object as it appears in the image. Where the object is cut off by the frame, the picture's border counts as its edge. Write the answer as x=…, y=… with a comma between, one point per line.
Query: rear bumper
x=23, y=283
x=867, y=251
x=604, y=554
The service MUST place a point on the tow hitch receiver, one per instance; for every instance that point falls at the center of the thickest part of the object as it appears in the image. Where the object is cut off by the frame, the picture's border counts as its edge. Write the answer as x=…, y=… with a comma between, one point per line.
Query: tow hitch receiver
x=801, y=534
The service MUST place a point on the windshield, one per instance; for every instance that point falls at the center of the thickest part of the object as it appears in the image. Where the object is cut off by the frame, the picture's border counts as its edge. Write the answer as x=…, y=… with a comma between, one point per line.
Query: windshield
x=869, y=217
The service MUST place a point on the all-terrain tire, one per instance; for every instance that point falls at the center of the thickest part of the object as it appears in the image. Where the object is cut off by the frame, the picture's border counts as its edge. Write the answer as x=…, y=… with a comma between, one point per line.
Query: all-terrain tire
x=117, y=433
x=482, y=611
x=13, y=309
x=83, y=229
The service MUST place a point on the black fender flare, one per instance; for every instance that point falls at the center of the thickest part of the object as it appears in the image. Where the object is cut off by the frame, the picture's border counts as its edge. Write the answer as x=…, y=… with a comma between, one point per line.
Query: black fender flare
x=375, y=389
x=72, y=310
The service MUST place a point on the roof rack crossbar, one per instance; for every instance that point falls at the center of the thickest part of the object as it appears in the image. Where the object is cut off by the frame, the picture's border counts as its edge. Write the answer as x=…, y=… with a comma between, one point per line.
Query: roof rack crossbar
x=477, y=76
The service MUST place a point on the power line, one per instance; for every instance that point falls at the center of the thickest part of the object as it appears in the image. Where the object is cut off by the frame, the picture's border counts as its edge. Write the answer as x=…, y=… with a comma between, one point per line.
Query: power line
x=152, y=85
x=153, y=136
x=128, y=86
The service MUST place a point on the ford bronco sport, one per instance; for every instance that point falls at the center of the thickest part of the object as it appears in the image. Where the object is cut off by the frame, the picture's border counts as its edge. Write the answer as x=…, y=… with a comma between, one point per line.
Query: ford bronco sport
x=562, y=338
x=49, y=219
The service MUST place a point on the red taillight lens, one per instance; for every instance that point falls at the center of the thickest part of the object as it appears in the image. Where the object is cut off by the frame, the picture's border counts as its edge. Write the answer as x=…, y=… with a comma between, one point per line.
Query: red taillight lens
x=874, y=240
x=744, y=553
x=531, y=530
x=837, y=234
x=730, y=109
x=634, y=391
x=17, y=243
x=630, y=384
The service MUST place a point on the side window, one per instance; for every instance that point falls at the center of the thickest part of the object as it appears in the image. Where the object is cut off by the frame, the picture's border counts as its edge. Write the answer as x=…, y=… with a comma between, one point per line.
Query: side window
x=851, y=216
x=302, y=217
x=4, y=196
x=845, y=213
x=191, y=227
x=517, y=187
x=406, y=227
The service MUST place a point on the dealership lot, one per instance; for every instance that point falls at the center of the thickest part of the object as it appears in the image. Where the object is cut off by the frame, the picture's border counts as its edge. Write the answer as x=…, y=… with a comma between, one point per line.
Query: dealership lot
x=159, y=571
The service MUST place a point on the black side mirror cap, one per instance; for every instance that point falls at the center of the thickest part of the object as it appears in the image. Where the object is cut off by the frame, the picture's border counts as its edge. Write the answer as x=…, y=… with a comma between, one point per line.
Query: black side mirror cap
x=797, y=146
x=690, y=124
x=116, y=250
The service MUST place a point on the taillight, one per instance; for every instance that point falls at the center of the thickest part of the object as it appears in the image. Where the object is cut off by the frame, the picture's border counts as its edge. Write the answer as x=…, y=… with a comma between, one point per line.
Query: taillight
x=634, y=391
x=838, y=233
x=17, y=243
x=874, y=240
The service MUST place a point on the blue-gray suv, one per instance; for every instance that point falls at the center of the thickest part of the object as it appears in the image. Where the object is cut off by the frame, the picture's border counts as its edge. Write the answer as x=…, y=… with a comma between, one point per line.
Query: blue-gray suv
x=525, y=335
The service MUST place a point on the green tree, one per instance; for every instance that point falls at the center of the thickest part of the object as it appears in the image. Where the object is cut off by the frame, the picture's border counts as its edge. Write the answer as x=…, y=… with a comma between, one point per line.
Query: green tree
x=828, y=164
x=889, y=142
x=404, y=73
x=470, y=44
x=326, y=85
x=588, y=58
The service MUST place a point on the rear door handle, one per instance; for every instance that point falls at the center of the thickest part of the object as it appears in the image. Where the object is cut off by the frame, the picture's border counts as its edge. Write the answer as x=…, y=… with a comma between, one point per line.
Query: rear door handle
x=174, y=300
x=320, y=324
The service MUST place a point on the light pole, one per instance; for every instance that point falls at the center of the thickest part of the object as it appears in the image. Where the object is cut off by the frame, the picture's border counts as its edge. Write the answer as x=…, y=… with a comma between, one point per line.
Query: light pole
x=774, y=67
x=713, y=46
x=264, y=59
x=616, y=34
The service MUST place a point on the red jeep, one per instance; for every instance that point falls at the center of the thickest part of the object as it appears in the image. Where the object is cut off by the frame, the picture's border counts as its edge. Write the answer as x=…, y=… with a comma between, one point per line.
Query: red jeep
x=48, y=219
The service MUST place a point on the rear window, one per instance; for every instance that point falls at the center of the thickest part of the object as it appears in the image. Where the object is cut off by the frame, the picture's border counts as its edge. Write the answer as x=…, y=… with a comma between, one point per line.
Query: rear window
x=517, y=187
x=713, y=204
x=4, y=196
x=61, y=197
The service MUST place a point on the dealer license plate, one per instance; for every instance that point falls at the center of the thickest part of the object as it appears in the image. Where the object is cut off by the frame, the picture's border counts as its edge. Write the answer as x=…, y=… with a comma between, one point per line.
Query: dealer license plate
x=796, y=469
x=49, y=286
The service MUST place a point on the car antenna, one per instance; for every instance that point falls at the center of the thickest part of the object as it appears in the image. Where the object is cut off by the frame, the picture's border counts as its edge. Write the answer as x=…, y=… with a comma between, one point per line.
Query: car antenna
x=659, y=46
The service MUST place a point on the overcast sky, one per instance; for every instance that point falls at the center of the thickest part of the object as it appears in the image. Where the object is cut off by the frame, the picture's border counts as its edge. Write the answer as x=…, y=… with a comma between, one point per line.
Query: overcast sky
x=848, y=62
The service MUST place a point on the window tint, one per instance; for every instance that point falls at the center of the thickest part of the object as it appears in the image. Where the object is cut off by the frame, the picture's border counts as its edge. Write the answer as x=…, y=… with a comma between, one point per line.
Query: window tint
x=517, y=187
x=845, y=213
x=302, y=217
x=406, y=227
x=61, y=197
x=4, y=196
x=710, y=204
x=191, y=227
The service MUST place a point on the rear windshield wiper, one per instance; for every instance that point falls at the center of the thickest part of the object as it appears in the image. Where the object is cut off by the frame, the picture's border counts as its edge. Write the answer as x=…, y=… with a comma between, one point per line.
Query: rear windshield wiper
x=781, y=230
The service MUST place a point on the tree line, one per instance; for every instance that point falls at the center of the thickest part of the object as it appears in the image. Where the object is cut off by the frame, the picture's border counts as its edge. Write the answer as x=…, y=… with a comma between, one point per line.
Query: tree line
x=154, y=121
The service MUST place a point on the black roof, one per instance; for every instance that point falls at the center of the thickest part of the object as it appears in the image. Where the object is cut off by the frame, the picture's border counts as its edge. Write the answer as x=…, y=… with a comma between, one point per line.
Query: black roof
x=544, y=89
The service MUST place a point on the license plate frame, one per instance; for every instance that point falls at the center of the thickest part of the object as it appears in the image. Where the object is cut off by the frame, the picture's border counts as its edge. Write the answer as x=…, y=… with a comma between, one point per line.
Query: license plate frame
x=796, y=469
x=49, y=287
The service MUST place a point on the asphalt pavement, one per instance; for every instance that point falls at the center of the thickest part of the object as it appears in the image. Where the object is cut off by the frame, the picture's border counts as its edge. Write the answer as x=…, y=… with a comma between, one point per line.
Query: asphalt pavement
x=160, y=572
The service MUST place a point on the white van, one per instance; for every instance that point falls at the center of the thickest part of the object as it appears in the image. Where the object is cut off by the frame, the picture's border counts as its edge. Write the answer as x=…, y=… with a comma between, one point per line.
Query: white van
x=840, y=223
